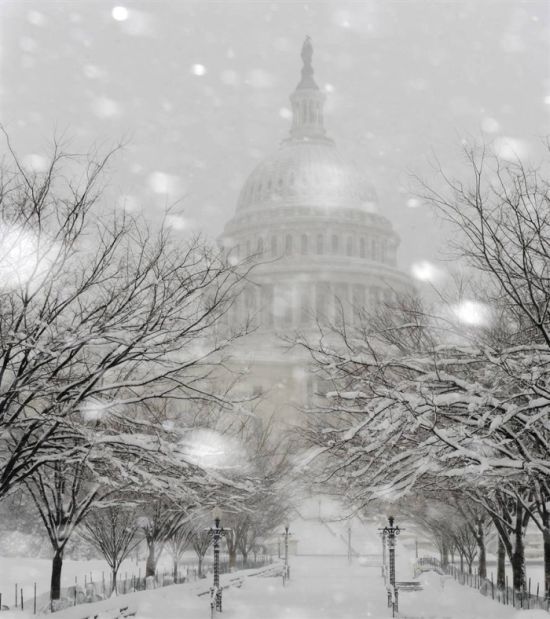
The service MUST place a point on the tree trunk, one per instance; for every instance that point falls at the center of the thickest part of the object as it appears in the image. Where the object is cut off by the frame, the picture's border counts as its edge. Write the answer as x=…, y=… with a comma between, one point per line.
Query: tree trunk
x=501, y=564
x=57, y=564
x=444, y=554
x=546, y=543
x=518, y=570
x=461, y=562
x=113, y=581
x=545, y=517
x=200, y=566
x=245, y=559
x=232, y=557
x=482, y=560
x=151, y=564
x=175, y=569
x=518, y=556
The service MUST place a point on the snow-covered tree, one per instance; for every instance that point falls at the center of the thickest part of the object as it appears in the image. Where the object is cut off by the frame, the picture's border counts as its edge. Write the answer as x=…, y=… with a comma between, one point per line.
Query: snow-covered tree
x=98, y=311
x=268, y=506
x=101, y=318
x=177, y=544
x=100, y=473
x=159, y=522
x=57, y=489
x=113, y=531
x=200, y=542
x=417, y=397
x=430, y=413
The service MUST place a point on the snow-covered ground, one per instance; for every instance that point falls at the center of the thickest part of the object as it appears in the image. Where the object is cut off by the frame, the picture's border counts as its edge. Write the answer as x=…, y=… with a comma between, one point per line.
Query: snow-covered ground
x=320, y=588
x=24, y=572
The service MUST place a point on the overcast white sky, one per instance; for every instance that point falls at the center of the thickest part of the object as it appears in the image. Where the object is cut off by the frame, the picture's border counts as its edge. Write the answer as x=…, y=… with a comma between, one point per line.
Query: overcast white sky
x=199, y=90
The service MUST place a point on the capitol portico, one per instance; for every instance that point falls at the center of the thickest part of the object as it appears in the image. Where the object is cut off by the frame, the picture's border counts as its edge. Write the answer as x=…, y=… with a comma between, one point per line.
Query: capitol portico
x=314, y=227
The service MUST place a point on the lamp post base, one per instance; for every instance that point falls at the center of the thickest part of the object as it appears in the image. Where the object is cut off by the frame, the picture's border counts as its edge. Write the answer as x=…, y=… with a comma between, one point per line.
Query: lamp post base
x=215, y=600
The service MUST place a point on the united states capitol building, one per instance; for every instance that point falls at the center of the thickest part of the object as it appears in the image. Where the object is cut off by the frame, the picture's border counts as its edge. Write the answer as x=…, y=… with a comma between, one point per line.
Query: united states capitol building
x=312, y=225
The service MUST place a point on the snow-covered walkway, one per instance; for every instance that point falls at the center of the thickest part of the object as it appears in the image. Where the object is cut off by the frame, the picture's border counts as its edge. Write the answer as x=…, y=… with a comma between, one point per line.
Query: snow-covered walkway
x=329, y=588
x=320, y=588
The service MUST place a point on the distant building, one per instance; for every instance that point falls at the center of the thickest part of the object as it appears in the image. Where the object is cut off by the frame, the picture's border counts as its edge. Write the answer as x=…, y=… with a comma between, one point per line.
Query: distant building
x=311, y=222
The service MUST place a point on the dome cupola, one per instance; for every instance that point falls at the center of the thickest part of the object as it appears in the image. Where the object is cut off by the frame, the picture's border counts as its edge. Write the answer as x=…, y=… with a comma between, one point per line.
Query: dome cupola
x=307, y=101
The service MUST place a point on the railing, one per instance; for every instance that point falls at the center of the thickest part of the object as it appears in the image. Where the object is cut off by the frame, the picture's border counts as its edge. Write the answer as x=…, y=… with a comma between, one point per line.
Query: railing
x=504, y=595
x=241, y=564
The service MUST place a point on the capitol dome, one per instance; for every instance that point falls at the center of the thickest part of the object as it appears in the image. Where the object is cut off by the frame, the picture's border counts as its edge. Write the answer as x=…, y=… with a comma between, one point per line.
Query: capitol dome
x=305, y=172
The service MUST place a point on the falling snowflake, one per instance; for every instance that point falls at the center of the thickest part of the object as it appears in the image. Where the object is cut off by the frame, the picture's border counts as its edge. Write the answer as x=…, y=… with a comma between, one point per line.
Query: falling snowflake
x=120, y=13
x=510, y=149
x=198, y=69
x=103, y=107
x=163, y=183
x=425, y=271
x=490, y=125
x=176, y=222
x=472, y=313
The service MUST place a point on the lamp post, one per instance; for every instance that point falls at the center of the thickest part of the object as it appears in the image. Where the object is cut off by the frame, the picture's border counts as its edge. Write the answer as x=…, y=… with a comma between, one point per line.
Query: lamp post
x=286, y=568
x=384, y=562
x=216, y=533
x=390, y=533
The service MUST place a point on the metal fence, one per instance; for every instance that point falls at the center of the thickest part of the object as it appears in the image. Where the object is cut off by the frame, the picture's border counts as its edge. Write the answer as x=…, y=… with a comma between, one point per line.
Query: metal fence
x=241, y=564
x=524, y=598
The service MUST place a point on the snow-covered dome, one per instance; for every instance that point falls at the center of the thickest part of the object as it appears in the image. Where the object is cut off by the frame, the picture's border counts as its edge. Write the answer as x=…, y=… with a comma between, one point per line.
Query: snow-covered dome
x=305, y=172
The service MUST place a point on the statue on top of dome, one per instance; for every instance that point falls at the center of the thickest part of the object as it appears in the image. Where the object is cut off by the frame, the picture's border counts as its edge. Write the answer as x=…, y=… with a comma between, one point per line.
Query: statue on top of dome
x=307, y=51
x=307, y=80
